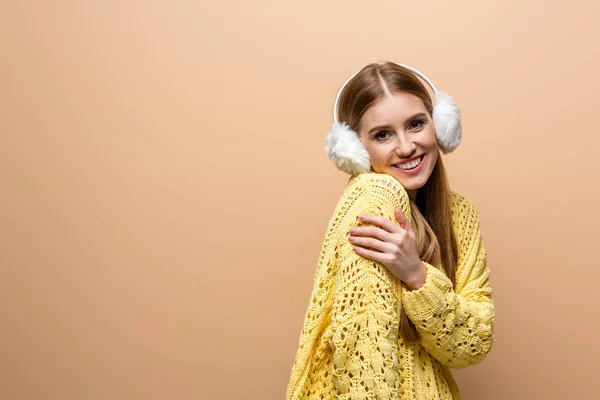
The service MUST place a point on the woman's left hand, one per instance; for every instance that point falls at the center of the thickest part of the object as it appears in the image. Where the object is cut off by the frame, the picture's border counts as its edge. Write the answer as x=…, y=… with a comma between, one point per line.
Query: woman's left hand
x=392, y=245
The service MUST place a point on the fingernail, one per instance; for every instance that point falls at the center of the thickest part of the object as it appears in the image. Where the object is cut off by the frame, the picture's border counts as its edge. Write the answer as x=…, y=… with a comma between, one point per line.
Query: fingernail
x=352, y=230
x=361, y=217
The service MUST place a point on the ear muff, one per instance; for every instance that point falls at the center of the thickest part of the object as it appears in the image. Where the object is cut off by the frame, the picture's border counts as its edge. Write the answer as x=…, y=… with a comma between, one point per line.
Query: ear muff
x=345, y=149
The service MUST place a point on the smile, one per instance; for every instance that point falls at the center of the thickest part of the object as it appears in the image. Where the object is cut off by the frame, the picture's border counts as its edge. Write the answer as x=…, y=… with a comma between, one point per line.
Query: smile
x=410, y=166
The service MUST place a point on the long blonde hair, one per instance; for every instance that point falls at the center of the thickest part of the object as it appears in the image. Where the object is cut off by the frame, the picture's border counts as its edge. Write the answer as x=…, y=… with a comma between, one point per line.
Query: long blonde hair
x=432, y=209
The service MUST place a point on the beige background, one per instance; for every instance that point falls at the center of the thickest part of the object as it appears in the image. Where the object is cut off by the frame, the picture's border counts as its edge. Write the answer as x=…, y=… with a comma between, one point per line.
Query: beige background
x=164, y=190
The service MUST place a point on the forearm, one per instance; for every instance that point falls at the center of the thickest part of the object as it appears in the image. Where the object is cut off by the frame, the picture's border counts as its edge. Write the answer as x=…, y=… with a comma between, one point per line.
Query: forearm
x=456, y=329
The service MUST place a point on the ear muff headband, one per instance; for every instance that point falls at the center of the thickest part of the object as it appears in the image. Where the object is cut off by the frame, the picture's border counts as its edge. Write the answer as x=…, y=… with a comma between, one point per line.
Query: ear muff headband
x=411, y=69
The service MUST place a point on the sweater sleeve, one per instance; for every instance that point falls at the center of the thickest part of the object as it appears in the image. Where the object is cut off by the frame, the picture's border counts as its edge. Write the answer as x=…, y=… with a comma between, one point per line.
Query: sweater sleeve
x=365, y=311
x=456, y=324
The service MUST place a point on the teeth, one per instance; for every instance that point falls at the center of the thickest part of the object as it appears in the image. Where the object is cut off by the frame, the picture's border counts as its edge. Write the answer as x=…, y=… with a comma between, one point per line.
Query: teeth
x=410, y=165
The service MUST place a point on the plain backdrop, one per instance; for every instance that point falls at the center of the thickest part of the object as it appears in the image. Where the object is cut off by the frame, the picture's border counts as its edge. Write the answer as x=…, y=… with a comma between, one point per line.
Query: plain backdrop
x=164, y=190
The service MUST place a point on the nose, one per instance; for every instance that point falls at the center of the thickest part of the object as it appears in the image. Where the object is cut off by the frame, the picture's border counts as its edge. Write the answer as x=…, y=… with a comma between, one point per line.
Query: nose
x=405, y=148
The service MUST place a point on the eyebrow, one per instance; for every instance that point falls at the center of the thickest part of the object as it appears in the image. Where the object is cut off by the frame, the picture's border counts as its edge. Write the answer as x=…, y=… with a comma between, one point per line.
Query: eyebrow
x=387, y=126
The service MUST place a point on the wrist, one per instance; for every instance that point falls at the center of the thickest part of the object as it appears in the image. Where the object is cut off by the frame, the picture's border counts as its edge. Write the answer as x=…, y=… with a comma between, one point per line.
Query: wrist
x=418, y=279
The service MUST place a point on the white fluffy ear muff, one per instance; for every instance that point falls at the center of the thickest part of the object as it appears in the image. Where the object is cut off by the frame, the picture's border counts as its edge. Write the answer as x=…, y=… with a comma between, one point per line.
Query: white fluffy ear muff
x=344, y=148
x=446, y=118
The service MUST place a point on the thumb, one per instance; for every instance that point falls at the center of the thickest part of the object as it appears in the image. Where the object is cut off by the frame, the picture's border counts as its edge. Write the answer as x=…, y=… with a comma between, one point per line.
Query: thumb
x=403, y=220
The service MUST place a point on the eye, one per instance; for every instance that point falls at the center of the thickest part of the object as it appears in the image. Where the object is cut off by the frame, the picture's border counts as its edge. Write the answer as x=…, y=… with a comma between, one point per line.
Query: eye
x=382, y=135
x=416, y=124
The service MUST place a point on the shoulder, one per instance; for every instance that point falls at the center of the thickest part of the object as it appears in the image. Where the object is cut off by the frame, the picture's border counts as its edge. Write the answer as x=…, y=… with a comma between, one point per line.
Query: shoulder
x=461, y=204
x=372, y=193
x=465, y=216
x=376, y=184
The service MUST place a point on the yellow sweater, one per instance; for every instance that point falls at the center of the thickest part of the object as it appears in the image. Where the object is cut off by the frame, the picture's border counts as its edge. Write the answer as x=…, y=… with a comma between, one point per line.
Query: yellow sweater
x=350, y=347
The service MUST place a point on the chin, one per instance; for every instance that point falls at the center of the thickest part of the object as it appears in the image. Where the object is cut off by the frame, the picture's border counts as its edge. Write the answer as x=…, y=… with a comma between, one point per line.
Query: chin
x=410, y=187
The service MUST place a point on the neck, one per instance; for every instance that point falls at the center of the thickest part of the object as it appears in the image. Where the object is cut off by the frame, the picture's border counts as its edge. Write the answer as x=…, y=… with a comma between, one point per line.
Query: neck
x=412, y=194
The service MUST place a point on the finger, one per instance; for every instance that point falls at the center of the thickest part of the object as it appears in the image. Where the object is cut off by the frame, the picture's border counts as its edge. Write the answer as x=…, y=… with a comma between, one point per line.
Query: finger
x=370, y=254
x=372, y=231
x=370, y=243
x=382, y=222
x=403, y=220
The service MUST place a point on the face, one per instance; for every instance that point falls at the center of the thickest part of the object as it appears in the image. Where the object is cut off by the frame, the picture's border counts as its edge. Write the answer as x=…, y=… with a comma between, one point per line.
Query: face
x=399, y=135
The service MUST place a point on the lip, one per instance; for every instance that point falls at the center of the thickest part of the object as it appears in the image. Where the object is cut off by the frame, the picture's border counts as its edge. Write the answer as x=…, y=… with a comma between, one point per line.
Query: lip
x=410, y=159
x=412, y=171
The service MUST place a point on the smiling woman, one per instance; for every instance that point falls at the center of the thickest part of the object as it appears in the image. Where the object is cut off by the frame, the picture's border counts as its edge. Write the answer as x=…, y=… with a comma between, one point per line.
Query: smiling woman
x=401, y=291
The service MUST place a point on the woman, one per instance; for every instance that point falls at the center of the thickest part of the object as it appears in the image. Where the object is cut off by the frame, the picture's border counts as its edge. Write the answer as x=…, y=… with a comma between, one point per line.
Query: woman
x=401, y=292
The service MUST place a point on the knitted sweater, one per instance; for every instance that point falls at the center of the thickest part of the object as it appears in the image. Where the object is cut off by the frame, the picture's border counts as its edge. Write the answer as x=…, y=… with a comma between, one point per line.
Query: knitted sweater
x=350, y=347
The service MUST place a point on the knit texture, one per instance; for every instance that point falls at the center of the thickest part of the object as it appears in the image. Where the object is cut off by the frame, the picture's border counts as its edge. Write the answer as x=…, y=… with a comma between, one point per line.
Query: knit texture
x=350, y=347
